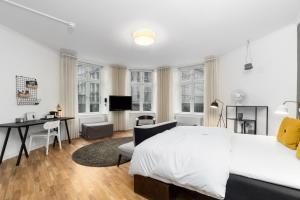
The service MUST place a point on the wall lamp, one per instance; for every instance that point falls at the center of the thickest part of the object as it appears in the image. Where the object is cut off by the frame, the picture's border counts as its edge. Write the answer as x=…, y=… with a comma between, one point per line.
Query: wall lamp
x=283, y=109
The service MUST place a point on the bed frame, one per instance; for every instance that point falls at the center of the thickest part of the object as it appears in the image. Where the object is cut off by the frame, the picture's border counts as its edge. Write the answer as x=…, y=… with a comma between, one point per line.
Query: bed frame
x=238, y=188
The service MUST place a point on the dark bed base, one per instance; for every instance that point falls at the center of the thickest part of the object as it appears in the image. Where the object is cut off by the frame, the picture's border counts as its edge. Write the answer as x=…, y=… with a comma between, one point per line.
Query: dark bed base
x=238, y=188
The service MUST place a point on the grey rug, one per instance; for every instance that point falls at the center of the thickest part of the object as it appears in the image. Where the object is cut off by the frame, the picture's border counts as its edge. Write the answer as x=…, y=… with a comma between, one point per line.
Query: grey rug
x=101, y=154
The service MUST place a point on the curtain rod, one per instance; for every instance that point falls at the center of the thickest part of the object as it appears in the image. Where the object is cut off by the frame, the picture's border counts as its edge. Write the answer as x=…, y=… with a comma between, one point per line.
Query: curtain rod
x=68, y=23
x=191, y=66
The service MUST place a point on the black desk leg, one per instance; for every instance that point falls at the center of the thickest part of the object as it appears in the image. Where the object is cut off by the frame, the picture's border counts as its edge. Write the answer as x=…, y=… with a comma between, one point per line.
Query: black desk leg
x=4, y=144
x=21, y=136
x=23, y=145
x=67, y=128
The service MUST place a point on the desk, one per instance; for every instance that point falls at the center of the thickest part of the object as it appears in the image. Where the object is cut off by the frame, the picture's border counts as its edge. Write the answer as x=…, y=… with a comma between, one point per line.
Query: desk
x=23, y=138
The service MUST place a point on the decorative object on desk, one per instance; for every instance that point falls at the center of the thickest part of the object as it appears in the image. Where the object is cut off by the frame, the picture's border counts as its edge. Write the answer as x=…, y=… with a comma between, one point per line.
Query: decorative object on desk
x=215, y=105
x=49, y=117
x=248, y=59
x=26, y=91
x=240, y=116
x=19, y=120
x=59, y=110
x=283, y=109
x=54, y=113
x=238, y=96
x=30, y=116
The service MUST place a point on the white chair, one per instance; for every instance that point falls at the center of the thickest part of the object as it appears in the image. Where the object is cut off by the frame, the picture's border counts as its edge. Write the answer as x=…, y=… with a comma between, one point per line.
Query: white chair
x=52, y=129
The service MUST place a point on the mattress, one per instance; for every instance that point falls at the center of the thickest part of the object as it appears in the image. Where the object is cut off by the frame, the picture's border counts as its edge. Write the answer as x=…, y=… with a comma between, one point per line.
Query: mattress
x=263, y=158
x=195, y=158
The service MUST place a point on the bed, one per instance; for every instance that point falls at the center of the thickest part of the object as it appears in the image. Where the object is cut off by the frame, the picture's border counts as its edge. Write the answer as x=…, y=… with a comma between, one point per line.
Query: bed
x=218, y=164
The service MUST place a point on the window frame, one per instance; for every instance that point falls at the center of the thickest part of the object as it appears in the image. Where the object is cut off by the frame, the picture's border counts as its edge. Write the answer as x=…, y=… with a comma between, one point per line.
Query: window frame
x=141, y=85
x=191, y=82
x=87, y=107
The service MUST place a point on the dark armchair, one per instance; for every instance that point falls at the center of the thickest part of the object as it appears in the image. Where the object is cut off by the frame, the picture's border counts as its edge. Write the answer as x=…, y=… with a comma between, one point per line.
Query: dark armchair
x=145, y=118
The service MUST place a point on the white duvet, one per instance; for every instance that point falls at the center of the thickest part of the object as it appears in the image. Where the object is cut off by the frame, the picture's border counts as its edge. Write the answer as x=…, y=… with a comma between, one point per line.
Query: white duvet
x=263, y=158
x=205, y=169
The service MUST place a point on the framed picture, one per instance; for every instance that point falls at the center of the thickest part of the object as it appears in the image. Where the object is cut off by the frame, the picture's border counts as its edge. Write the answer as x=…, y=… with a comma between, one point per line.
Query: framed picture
x=30, y=116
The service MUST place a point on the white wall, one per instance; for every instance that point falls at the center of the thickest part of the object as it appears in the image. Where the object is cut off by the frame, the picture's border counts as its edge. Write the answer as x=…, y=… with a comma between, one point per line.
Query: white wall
x=273, y=78
x=22, y=56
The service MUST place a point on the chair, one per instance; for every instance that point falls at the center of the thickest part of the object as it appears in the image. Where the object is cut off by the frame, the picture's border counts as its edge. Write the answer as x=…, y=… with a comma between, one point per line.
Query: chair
x=52, y=129
x=142, y=120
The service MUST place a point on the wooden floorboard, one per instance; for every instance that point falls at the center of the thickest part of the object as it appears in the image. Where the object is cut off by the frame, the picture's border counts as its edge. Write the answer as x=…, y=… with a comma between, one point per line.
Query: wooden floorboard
x=57, y=177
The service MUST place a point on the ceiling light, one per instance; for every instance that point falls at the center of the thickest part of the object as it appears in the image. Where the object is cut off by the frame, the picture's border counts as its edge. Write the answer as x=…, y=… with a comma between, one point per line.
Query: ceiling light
x=144, y=37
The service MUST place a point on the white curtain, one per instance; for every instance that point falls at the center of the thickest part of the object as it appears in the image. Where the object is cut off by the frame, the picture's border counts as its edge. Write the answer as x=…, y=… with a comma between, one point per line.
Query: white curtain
x=210, y=90
x=119, y=88
x=164, y=94
x=68, y=89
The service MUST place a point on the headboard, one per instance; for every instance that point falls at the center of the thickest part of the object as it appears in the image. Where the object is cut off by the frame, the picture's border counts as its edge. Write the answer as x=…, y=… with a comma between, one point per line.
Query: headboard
x=142, y=133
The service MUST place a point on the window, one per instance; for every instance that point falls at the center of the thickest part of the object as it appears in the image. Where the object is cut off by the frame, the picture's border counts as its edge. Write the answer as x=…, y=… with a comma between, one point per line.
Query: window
x=88, y=87
x=192, y=89
x=141, y=90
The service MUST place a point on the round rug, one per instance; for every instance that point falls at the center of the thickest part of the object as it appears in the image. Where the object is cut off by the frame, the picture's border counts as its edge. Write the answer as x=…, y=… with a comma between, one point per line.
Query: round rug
x=101, y=154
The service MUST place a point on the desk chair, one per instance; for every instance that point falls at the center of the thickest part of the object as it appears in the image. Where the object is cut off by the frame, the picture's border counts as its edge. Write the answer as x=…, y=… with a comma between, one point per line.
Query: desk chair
x=51, y=129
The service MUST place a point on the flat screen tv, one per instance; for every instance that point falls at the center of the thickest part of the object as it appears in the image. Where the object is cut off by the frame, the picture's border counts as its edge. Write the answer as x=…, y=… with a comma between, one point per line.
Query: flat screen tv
x=120, y=103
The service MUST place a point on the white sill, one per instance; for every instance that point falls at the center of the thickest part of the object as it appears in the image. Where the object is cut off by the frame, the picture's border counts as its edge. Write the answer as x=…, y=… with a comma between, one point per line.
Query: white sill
x=91, y=114
x=190, y=114
x=138, y=112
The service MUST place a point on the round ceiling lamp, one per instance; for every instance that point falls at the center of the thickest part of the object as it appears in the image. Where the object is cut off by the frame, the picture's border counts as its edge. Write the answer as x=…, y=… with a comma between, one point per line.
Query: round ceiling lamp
x=144, y=37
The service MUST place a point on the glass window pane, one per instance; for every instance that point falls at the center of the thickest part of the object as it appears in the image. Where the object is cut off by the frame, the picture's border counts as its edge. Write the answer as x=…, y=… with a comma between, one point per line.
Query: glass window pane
x=198, y=89
x=186, y=89
x=94, y=97
x=147, y=77
x=198, y=74
x=186, y=75
x=94, y=72
x=186, y=97
x=81, y=97
x=135, y=93
x=141, y=90
x=147, y=98
x=147, y=94
x=88, y=87
x=147, y=106
x=185, y=107
x=198, y=96
x=135, y=76
x=135, y=106
x=198, y=104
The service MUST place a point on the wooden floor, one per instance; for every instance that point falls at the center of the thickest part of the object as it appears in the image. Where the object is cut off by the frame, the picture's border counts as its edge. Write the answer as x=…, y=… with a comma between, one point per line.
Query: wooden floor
x=56, y=176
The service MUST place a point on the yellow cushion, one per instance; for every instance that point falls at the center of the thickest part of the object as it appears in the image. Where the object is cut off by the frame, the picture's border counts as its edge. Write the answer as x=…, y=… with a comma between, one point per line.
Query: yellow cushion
x=298, y=151
x=289, y=133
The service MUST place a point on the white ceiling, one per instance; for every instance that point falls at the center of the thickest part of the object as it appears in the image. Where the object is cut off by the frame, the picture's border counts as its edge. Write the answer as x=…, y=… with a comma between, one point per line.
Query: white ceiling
x=186, y=30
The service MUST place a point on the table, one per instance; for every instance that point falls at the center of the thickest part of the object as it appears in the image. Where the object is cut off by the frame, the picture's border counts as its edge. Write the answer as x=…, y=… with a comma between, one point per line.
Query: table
x=23, y=138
